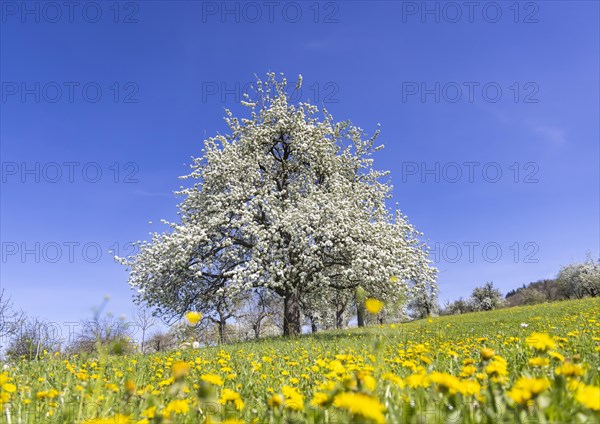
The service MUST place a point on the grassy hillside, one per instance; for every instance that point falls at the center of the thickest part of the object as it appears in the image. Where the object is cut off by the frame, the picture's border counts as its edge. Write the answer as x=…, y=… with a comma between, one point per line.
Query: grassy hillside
x=531, y=364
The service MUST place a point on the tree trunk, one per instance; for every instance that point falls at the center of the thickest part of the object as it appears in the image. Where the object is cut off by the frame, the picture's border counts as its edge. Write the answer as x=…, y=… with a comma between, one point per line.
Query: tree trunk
x=291, y=314
x=360, y=315
x=313, y=325
x=339, y=314
x=360, y=309
x=222, y=324
x=256, y=328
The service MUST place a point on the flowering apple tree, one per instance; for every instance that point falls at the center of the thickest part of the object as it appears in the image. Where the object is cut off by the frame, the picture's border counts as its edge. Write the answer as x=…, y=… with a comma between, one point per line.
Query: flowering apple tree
x=288, y=201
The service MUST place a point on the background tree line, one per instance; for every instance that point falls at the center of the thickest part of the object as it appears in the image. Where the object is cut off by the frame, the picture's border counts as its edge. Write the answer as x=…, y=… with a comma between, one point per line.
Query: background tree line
x=573, y=281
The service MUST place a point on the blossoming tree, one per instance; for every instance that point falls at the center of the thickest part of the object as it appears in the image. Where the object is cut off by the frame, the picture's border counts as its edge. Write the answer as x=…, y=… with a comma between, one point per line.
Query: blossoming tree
x=288, y=201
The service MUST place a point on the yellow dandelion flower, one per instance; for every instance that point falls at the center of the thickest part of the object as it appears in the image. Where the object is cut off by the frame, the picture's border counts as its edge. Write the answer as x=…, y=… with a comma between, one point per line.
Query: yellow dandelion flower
x=568, y=369
x=213, y=379
x=117, y=419
x=193, y=317
x=526, y=389
x=497, y=367
x=4, y=378
x=276, y=400
x=149, y=412
x=228, y=395
x=487, y=353
x=336, y=367
x=9, y=387
x=520, y=396
x=361, y=405
x=469, y=387
x=320, y=399
x=179, y=406
x=293, y=399
x=179, y=370
x=4, y=397
x=468, y=370
x=393, y=378
x=446, y=383
x=417, y=380
x=112, y=387
x=539, y=362
x=573, y=385
x=374, y=306
x=541, y=342
x=589, y=396
x=130, y=386
x=166, y=382
x=367, y=380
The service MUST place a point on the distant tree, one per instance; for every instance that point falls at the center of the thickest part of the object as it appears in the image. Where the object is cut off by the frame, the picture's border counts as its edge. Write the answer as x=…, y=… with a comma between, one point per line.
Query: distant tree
x=580, y=280
x=144, y=320
x=103, y=332
x=185, y=333
x=10, y=319
x=161, y=341
x=340, y=301
x=459, y=306
x=548, y=287
x=392, y=313
x=513, y=292
x=315, y=311
x=574, y=281
x=515, y=297
x=533, y=296
x=486, y=298
x=424, y=302
x=33, y=337
x=332, y=308
x=222, y=308
x=259, y=309
x=546, y=290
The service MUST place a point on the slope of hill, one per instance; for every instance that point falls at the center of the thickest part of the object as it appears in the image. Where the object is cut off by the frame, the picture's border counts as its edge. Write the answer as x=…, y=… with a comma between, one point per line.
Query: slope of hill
x=535, y=363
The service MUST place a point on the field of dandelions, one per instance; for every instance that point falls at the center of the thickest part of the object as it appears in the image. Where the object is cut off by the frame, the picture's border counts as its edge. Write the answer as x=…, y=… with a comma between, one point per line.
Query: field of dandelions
x=527, y=364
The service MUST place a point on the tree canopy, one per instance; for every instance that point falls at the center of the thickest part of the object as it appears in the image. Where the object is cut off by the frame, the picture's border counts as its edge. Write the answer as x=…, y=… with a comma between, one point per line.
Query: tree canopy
x=287, y=201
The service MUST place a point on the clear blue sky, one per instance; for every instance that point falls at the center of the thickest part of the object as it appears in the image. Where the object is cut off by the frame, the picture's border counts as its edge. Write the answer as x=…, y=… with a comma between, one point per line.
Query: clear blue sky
x=135, y=99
